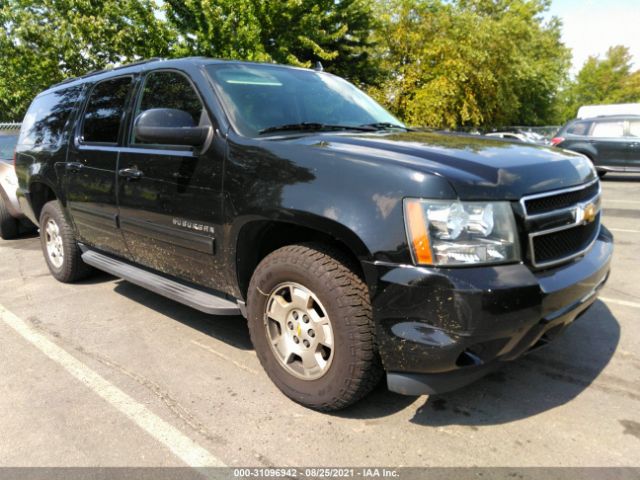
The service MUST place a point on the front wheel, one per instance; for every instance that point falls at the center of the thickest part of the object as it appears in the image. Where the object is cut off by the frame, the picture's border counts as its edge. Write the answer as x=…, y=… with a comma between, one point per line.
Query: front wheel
x=59, y=246
x=311, y=325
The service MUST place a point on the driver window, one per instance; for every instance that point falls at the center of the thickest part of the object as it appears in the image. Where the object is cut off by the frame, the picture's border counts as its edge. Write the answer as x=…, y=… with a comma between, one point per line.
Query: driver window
x=165, y=89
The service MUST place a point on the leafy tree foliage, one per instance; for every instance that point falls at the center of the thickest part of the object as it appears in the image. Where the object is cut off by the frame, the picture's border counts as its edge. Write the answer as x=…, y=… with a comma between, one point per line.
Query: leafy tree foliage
x=297, y=32
x=442, y=63
x=603, y=81
x=45, y=41
x=470, y=62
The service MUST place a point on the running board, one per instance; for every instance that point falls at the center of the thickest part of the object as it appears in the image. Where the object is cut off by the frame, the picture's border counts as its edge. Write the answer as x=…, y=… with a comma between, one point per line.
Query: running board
x=203, y=301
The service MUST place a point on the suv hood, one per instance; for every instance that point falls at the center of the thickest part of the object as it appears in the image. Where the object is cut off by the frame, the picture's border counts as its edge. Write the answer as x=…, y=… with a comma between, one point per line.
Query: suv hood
x=476, y=167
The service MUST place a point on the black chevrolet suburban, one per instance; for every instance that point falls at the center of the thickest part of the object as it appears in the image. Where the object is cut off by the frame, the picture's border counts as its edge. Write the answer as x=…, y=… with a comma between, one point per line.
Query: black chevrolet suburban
x=353, y=245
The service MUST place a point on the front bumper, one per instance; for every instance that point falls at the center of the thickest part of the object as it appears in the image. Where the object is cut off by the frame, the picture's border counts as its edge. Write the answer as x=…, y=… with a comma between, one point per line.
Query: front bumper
x=439, y=329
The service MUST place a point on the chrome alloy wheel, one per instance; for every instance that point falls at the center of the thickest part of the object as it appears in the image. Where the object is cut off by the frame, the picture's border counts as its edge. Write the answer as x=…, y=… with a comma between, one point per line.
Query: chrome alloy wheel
x=299, y=331
x=53, y=240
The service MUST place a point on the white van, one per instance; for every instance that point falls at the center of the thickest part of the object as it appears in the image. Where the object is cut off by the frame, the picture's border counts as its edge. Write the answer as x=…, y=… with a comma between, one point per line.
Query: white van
x=591, y=111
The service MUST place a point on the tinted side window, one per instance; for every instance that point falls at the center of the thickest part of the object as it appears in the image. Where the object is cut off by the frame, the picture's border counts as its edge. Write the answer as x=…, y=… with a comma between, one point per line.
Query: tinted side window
x=104, y=111
x=634, y=128
x=608, y=129
x=579, y=128
x=47, y=116
x=170, y=90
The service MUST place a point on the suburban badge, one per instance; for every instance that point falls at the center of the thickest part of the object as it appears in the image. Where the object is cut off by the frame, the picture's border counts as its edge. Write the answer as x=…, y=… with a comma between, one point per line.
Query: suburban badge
x=199, y=227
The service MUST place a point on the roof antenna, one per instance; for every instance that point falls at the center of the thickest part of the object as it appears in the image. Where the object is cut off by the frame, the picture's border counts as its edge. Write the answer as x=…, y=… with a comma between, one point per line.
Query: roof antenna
x=318, y=67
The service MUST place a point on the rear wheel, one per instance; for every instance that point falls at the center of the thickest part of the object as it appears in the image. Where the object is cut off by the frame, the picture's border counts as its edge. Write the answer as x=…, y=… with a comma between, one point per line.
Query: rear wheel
x=9, y=226
x=61, y=251
x=311, y=325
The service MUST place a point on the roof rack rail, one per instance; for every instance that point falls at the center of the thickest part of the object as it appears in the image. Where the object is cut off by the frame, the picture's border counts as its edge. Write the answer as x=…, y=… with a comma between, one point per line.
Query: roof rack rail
x=96, y=72
x=139, y=62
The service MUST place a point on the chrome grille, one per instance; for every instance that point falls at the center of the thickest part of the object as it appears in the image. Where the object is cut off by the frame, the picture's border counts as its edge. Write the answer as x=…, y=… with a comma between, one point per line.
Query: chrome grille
x=550, y=203
x=562, y=224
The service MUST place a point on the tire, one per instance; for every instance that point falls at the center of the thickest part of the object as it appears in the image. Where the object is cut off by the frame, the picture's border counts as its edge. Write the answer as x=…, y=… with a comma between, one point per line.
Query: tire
x=61, y=251
x=9, y=226
x=337, y=300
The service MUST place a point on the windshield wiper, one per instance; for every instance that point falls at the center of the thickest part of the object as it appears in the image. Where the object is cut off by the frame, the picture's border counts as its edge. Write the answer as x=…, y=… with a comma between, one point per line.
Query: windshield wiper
x=316, y=127
x=386, y=126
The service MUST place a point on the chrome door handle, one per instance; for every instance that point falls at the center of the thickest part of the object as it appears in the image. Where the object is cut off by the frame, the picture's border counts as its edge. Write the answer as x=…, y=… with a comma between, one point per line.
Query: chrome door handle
x=131, y=173
x=73, y=167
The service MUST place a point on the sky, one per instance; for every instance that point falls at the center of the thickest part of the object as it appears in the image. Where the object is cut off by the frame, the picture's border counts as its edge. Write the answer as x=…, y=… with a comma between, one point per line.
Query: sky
x=590, y=27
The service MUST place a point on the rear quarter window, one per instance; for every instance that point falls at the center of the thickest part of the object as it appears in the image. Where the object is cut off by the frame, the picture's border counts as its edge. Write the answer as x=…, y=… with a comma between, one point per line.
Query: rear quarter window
x=634, y=128
x=45, y=121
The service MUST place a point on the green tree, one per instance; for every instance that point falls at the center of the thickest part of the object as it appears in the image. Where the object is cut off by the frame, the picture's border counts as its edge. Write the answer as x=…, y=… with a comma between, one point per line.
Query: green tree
x=45, y=41
x=603, y=81
x=470, y=62
x=297, y=32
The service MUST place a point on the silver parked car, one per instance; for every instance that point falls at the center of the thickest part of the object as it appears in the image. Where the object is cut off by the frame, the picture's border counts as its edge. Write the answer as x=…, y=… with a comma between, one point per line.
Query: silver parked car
x=12, y=221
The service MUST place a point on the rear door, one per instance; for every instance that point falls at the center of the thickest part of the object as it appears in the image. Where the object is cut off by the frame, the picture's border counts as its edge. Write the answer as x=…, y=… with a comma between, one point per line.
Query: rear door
x=607, y=136
x=170, y=196
x=92, y=164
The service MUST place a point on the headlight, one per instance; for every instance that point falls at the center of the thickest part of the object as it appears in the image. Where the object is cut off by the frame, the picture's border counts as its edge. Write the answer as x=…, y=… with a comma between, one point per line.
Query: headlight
x=451, y=232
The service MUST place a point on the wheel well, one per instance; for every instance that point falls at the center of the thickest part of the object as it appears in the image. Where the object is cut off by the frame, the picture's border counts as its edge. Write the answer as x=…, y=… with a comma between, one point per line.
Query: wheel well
x=40, y=194
x=259, y=239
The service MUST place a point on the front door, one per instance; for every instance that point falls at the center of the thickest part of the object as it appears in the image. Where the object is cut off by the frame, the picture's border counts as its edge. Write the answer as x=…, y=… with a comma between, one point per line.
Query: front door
x=92, y=164
x=170, y=197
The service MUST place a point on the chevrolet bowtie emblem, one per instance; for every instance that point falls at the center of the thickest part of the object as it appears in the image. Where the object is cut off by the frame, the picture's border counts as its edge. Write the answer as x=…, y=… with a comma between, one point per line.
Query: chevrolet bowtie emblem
x=589, y=213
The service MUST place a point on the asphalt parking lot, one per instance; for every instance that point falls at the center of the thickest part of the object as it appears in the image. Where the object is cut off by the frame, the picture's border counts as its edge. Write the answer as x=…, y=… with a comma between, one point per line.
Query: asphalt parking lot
x=104, y=373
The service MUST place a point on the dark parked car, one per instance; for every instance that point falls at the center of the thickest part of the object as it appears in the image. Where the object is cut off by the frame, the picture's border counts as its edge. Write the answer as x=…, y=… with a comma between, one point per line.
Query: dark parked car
x=352, y=245
x=519, y=136
x=11, y=218
x=612, y=143
x=516, y=137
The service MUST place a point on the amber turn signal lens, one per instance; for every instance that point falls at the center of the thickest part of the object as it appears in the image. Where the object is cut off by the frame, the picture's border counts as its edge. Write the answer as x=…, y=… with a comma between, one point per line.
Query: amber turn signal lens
x=418, y=235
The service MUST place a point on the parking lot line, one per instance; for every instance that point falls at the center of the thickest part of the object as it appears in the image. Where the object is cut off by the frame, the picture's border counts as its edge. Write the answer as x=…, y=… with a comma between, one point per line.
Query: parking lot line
x=182, y=446
x=623, y=230
x=611, y=200
x=624, y=303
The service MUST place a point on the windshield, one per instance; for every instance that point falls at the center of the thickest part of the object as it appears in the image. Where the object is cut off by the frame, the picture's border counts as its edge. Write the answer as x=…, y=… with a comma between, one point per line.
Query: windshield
x=7, y=144
x=261, y=97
